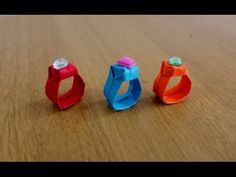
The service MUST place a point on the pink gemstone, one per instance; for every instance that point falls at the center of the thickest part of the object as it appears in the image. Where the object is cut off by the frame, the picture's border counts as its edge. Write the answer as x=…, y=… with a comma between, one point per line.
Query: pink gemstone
x=126, y=61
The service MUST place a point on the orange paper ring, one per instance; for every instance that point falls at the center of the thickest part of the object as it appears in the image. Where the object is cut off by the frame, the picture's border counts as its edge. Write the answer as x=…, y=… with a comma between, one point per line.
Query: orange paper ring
x=181, y=90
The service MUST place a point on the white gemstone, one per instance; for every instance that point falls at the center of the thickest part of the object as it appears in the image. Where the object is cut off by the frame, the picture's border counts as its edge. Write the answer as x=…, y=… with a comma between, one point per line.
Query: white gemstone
x=60, y=63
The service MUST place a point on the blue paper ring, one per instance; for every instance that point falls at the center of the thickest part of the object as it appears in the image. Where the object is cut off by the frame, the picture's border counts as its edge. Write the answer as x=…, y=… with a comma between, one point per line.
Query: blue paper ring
x=116, y=77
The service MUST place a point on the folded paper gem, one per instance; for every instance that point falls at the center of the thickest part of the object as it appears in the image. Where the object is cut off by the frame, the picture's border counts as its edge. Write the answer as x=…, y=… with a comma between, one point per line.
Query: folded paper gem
x=126, y=61
x=175, y=61
x=60, y=63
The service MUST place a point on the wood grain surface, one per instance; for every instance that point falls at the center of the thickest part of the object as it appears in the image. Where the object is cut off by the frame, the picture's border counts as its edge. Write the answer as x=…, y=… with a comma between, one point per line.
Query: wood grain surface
x=203, y=127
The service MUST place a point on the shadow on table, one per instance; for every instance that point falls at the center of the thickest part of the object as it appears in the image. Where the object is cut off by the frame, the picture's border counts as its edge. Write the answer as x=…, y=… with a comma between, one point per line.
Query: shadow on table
x=146, y=102
x=98, y=108
x=42, y=108
x=157, y=101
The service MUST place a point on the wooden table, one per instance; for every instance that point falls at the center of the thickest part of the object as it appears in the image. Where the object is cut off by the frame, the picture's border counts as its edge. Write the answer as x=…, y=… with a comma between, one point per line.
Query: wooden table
x=203, y=127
